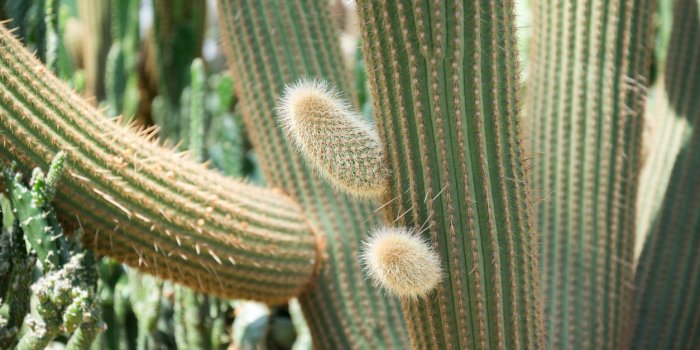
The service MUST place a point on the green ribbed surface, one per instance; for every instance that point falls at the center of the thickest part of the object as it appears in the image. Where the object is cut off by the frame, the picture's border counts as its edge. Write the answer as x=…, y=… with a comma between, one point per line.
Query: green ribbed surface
x=146, y=205
x=586, y=93
x=271, y=44
x=444, y=78
x=667, y=297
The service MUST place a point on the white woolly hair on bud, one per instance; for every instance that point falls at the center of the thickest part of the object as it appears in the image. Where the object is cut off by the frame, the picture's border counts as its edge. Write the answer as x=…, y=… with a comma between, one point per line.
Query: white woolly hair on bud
x=335, y=140
x=400, y=261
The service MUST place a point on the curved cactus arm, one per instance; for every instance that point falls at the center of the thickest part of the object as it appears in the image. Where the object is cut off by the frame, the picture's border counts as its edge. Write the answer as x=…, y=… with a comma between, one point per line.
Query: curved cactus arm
x=148, y=206
x=270, y=44
x=444, y=79
x=667, y=289
x=588, y=79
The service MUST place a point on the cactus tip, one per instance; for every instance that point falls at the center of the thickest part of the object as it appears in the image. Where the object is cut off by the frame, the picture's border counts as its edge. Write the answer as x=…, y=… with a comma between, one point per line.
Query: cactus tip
x=401, y=262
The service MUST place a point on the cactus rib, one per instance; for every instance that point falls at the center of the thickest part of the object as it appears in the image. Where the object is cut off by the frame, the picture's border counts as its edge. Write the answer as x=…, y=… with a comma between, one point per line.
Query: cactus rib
x=444, y=81
x=148, y=206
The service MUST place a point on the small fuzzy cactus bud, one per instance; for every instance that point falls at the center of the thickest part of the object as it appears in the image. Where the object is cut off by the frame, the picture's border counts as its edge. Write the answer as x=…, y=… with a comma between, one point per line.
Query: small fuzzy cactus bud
x=400, y=261
x=333, y=138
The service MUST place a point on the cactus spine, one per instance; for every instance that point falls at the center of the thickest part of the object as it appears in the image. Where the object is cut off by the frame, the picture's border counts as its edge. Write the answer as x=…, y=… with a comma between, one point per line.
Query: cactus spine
x=444, y=78
x=590, y=66
x=667, y=297
x=147, y=206
x=343, y=309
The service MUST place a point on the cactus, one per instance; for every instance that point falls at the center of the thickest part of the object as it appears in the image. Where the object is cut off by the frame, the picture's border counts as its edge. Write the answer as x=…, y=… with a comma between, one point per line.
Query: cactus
x=65, y=304
x=444, y=82
x=196, y=115
x=590, y=70
x=95, y=16
x=409, y=228
x=666, y=309
x=65, y=294
x=120, y=67
x=147, y=205
x=16, y=267
x=342, y=309
x=178, y=32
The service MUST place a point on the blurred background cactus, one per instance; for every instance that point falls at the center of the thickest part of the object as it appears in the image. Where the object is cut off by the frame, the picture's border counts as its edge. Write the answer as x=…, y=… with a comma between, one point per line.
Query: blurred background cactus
x=541, y=156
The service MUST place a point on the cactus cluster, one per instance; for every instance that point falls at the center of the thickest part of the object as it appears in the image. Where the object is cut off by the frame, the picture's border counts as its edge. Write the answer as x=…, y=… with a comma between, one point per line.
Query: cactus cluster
x=65, y=296
x=434, y=202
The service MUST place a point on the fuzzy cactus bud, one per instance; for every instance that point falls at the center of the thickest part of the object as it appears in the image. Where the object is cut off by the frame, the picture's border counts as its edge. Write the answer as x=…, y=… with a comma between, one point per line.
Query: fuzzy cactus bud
x=401, y=262
x=334, y=139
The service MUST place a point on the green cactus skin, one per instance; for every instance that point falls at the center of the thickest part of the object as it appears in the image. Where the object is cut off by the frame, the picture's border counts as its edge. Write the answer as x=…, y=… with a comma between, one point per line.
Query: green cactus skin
x=147, y=206
x=197, y=95
x=87, y=332
x=121, y=75
x=444, y=80
x=95, y=15
x=586, y=96
x=270, y=44
x=178, y=34
x=667, y=288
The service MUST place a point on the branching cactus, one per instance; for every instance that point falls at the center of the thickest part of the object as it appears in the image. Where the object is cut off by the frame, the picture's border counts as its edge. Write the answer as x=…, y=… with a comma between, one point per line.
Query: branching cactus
x=590, y=66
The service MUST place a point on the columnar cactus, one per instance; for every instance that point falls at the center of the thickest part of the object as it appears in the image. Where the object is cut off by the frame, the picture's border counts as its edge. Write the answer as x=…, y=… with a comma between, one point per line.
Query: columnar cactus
x=590, y=67
x=667, y=309
x=444, y=79
x=146, y=205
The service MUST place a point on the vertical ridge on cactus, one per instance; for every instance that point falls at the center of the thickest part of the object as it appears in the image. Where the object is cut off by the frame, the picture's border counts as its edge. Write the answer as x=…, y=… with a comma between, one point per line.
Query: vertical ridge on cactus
x=146, y=205
x=270, y=44
x=444, y=78
x=667, y=297
x=590, y=67
x=336, y=141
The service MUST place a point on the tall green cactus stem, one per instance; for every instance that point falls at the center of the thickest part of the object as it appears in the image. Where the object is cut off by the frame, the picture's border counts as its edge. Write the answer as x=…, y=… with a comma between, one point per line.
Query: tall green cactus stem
x=198, y=86
x=52, y=33
x=586, y=93
x=667, y=288
x=121, y=75
x=343, y=310
x=95, y=15
x=178, y=36
x=148, y=206
x=444, y=80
